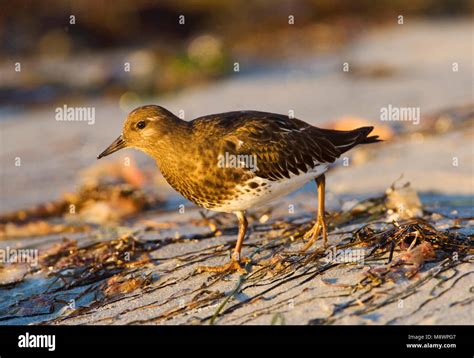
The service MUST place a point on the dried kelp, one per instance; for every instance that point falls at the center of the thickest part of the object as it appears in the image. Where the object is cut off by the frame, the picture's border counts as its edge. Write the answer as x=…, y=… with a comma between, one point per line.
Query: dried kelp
x=156, y=281
x=108, y=194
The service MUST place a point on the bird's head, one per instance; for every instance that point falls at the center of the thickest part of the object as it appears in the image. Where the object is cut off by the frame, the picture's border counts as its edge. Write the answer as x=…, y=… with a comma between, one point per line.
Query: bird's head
x=145, y=129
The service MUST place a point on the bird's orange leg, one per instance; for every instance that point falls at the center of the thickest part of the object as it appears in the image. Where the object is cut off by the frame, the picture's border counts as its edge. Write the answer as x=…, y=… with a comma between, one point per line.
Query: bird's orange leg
x=320, y=225
x=235, y=262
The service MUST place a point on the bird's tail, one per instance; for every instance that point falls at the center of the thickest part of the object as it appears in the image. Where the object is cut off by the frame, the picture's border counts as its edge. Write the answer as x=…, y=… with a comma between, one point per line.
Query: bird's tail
x=345, y=140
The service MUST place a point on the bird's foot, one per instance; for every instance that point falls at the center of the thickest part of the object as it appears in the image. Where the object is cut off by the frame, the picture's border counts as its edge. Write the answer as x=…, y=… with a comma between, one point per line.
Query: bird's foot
x=230, y=267
x=313, y=233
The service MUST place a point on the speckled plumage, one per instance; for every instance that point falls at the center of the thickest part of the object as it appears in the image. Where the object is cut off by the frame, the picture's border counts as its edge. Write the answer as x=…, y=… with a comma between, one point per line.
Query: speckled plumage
x=286, y=153
x=285, y=148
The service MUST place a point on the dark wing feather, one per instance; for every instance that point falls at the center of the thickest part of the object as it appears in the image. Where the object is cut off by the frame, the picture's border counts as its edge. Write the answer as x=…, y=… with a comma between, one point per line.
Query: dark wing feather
x=282, y=146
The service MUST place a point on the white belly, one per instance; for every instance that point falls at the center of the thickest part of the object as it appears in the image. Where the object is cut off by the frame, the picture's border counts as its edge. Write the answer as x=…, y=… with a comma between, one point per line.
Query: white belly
x=269, y=191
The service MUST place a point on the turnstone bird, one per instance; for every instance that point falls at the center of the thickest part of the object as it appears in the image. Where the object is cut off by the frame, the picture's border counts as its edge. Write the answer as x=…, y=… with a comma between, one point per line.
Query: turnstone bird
x=231, y=162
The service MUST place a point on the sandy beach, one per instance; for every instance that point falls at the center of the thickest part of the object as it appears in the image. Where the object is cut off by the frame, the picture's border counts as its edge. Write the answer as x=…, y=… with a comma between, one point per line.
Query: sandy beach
x=158, y=284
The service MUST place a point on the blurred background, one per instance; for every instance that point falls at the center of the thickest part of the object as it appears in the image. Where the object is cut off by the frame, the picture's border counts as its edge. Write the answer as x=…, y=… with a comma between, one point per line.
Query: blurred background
x=77, y=49
x=333, y=63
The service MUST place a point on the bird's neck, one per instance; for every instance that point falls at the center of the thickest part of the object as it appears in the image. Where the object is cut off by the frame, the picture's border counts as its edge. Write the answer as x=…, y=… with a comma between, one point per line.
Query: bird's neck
x=174, y=145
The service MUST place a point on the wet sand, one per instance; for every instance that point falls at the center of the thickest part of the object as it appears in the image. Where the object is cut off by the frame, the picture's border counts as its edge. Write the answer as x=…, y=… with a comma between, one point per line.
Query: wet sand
x=420, y=57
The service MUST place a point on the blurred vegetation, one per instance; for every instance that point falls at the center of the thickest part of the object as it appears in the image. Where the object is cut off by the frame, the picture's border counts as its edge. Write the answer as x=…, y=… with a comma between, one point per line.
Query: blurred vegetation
x=89, y=57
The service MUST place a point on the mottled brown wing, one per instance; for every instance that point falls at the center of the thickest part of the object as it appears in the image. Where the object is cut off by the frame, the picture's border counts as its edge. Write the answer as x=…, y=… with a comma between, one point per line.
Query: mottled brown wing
x=280, y=145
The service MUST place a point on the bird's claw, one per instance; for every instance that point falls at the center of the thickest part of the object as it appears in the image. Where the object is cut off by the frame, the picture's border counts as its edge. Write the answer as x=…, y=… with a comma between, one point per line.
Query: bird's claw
x=314, y=232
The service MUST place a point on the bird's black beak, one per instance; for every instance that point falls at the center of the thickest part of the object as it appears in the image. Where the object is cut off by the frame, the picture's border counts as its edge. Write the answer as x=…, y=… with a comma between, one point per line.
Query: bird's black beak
x=117, y=144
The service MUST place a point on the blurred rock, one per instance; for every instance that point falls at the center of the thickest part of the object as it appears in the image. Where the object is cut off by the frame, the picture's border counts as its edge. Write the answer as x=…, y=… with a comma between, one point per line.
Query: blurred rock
x=12, y=273
x=384, y=131
x=403, y=203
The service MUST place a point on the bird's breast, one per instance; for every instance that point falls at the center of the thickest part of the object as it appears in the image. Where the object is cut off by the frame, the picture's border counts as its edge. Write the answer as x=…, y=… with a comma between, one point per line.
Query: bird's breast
x=257, y=192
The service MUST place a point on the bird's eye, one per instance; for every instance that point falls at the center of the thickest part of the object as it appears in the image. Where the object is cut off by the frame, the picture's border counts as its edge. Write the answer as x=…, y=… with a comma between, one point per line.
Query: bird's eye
x=141, y=124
